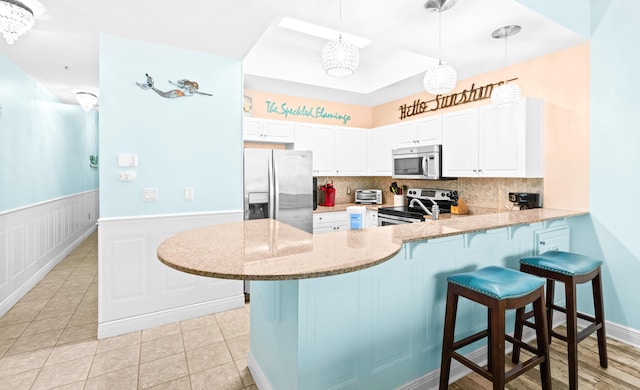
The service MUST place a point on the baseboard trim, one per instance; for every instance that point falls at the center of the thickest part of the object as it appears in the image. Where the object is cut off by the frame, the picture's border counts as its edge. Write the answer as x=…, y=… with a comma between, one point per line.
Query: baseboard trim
x=21, y=291
x=256, y=372
x=619, y=332
x=145, y=321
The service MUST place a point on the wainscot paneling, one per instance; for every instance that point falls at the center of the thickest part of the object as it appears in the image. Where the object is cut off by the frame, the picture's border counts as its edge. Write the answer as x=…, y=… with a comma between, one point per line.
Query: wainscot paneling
x=137, y=291
x=36, y=238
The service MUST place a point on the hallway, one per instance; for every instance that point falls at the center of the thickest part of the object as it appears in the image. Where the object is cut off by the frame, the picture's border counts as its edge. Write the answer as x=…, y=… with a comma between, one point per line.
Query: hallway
x=48, y=340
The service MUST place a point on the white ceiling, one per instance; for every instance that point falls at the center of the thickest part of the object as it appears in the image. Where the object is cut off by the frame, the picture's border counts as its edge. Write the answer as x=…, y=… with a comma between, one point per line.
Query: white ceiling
x=61, y=51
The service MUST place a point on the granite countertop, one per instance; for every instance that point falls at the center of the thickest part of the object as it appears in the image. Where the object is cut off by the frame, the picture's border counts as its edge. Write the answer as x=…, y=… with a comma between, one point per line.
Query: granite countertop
x=343, y=207
x=266, y=249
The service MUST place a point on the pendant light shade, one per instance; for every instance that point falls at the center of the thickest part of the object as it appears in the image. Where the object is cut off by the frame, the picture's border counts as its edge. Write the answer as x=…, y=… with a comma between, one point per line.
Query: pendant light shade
x=15, y=19
x=340, y=58
x=506, y=95
x=441, y=78
x=86, y=100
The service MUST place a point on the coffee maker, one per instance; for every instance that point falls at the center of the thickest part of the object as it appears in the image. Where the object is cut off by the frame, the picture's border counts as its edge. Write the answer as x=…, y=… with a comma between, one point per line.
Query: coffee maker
x=525, y=200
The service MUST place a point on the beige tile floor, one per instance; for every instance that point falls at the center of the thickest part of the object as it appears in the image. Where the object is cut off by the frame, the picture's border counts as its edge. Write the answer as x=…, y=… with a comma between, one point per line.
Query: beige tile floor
x=48, y=340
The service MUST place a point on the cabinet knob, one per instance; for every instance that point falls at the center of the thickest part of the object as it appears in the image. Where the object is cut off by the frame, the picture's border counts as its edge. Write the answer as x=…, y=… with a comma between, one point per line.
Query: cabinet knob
x=543, y=243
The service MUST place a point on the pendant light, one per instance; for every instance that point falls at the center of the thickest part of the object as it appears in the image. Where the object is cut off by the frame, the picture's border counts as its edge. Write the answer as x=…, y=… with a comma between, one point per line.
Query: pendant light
x=15, y=19
x=340, y=58
x=506, y=95
x=441, y=78
x=86, y=100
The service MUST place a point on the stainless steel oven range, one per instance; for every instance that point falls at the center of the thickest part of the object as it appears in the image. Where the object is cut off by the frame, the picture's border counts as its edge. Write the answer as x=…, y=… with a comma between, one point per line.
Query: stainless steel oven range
x=428, y=197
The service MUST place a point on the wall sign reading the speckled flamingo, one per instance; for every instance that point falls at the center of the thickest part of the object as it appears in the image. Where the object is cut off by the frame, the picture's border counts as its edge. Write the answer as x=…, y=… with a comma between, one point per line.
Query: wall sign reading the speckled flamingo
x=185, y=88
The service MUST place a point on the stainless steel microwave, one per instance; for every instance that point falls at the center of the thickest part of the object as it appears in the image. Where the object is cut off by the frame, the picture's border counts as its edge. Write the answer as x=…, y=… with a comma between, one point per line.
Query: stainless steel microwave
x=417, y=162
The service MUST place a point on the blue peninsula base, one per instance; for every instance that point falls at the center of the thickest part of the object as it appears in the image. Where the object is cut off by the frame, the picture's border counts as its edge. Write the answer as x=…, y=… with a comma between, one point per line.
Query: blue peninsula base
x=381, y=327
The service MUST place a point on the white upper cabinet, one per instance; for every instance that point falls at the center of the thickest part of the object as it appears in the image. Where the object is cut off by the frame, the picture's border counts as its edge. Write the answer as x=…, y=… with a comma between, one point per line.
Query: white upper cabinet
x=511, y=140
x=406, y=134
x=264, y=130
x=429, y=130
x=337, y=151
x=460, y=143
x=426, y=131
x=318, y=139
x=494, y=142
x=350, y=151
x=380, y=144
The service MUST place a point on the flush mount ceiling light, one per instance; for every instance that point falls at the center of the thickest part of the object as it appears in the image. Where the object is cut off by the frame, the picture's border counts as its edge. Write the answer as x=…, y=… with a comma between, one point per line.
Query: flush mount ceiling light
x=15, y=19
x=340, y=57
x=87, y=100
x=440, y=78
x=506, y=95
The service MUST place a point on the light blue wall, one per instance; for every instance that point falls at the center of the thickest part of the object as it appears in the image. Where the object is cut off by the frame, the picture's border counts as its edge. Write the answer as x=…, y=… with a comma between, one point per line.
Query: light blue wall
x=44, y=143
x=611, y=230
x=615, y=160
x=193, y=141
x=573, y=14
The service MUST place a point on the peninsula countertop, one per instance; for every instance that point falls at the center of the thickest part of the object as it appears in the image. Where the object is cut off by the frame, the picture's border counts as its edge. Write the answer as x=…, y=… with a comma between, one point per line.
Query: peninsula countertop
x=270, y=250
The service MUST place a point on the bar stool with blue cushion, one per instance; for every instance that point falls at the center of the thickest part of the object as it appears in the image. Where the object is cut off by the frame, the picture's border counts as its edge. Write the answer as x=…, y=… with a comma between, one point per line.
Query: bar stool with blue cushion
x=499, y=289
x=570, y=269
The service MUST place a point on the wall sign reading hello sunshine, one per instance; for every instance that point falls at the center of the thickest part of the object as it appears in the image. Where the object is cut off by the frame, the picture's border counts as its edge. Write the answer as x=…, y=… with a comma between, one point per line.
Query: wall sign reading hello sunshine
x=318, y=112
x=470, y=95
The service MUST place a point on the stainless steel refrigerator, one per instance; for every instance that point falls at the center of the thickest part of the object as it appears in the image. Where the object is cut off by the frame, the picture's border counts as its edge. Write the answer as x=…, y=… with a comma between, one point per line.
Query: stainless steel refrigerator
x=278, y=184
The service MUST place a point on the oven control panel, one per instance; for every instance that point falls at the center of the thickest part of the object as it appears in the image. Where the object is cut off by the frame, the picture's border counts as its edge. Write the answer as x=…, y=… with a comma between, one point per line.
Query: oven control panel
x=432, y=193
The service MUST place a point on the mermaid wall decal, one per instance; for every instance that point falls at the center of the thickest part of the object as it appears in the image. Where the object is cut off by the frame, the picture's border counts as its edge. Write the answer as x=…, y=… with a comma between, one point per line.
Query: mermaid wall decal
x=185, y=88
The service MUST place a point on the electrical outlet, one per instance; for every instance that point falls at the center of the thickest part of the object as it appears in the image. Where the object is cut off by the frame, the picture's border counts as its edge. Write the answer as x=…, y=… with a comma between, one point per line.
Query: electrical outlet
x=188, y=193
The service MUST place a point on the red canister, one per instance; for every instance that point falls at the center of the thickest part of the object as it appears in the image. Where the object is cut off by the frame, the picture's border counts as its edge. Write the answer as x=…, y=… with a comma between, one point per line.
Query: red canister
x=329, y=195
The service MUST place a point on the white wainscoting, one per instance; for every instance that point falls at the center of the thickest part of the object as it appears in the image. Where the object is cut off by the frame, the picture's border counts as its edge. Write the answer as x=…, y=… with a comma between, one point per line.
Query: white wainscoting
x=36, y=238
x=136, y=291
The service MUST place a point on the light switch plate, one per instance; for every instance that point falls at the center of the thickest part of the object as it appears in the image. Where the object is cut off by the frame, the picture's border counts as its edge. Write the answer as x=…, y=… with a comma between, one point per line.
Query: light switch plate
x=127, y=160
x=150, y=194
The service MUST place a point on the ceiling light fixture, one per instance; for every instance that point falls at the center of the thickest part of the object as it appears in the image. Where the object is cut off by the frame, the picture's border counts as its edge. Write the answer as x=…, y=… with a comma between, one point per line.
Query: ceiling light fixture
x=87, y=100
x=440, y=78
x=15, y=19
x=506, y=95
x=340, y=57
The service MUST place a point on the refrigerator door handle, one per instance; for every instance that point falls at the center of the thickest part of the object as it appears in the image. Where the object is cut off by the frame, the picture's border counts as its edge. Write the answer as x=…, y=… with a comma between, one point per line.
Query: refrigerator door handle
x=276, y=188
x=272, y=190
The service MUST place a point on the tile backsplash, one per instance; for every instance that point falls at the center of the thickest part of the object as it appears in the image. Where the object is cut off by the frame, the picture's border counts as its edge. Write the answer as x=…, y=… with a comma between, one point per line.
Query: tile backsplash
x=477, y=192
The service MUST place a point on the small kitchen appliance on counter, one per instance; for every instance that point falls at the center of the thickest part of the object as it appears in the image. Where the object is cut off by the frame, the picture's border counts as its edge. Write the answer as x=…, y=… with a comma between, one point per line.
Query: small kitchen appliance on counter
x=525, y=200
x=368, y=197
x=444, y=199
x=329, y=194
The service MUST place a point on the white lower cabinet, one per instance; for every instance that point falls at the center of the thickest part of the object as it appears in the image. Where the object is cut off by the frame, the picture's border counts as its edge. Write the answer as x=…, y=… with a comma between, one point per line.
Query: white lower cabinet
x=552, y=239
x=330, y=222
